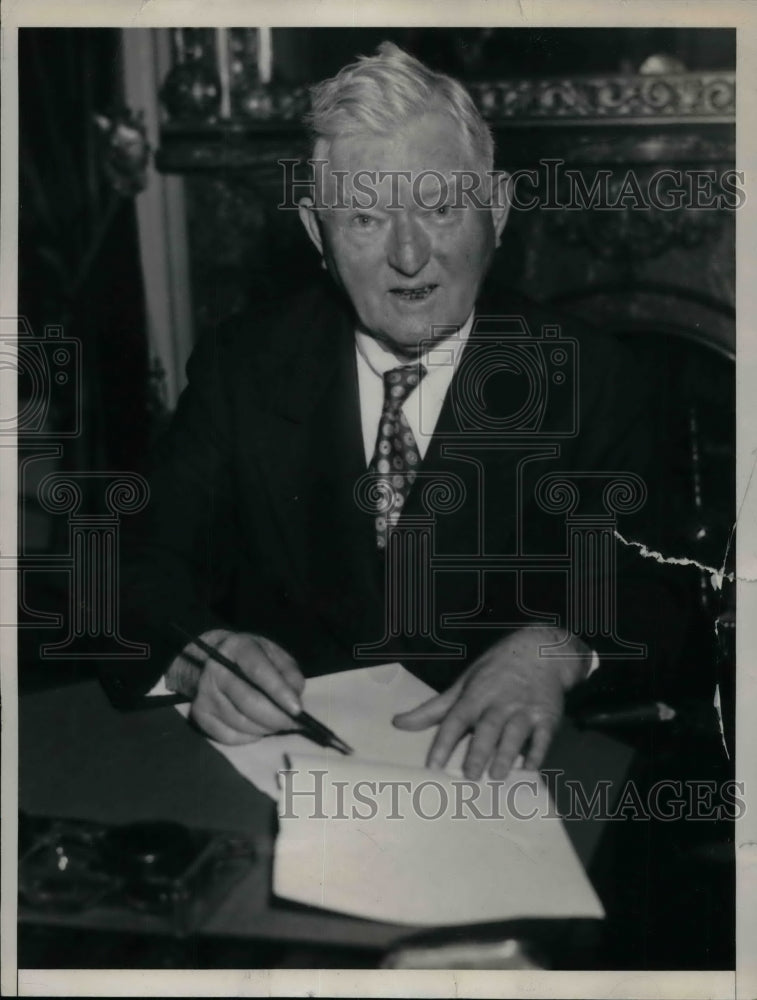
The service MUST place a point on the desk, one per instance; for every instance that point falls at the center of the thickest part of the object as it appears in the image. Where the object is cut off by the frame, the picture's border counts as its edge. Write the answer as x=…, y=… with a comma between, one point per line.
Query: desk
x=80, y=758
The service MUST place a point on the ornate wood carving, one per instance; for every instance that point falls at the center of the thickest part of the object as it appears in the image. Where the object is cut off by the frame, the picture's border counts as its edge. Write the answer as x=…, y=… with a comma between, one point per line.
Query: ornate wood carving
x=682, y=96
x=632, y=232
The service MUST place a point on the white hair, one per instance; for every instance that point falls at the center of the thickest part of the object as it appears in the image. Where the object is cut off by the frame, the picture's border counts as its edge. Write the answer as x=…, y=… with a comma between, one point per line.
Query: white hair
x=381, y=93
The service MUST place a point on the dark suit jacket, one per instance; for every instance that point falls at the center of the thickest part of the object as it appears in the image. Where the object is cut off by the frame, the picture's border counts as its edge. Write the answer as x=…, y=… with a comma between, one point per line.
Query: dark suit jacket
x=253, y=524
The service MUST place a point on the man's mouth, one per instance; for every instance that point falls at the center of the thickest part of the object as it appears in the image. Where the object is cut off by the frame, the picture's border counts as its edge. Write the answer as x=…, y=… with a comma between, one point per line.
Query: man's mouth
x=414, y=294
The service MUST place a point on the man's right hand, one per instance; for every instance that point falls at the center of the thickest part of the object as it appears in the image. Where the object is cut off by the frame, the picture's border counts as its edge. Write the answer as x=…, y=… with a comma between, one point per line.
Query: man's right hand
x=225, y=707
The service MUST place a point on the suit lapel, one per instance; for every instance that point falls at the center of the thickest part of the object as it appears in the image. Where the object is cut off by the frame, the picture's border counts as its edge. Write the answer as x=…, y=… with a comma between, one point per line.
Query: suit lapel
x=343, y=561
x=290, y=379
x=487, y=473
x=308, y=439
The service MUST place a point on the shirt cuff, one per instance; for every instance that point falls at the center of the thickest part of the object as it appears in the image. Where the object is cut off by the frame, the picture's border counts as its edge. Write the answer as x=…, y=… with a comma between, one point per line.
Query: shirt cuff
x=592, y=666
x=161, y=689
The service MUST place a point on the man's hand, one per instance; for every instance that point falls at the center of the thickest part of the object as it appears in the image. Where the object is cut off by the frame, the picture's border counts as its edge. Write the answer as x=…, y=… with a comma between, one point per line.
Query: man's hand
x=508, y=696
x=225, y=707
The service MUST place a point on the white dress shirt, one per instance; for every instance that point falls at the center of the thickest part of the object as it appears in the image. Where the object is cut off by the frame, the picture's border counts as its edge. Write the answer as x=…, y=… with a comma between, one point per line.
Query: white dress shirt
x=424, y=404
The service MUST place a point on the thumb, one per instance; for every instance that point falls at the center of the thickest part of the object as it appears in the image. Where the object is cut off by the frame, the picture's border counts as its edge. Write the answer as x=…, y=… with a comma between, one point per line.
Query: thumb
x=429, y=712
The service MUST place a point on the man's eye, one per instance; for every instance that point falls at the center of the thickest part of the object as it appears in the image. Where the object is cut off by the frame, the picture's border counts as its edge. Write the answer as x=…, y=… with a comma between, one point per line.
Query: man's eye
x=362, y=221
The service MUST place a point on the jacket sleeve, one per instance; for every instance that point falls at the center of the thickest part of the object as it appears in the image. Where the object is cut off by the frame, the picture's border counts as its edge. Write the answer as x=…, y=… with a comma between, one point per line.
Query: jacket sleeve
x=652, y=604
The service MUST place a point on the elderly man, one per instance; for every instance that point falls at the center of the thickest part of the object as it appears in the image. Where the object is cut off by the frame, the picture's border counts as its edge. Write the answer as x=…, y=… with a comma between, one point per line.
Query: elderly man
x=255, y=539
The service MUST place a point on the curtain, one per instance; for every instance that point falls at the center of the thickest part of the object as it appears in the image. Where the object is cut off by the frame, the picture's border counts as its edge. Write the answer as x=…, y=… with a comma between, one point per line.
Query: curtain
x=78, y=251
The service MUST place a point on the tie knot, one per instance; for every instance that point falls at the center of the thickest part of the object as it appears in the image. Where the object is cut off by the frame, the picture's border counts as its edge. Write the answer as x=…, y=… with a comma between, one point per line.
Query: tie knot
x=400, y=382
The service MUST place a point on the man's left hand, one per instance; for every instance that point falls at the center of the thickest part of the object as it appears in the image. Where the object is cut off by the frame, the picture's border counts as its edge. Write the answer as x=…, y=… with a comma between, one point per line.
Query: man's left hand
x=509, y=696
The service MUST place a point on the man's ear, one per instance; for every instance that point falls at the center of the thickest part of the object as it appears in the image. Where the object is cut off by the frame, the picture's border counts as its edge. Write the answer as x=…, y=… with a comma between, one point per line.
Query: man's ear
x=309, y=219
x=500, y=202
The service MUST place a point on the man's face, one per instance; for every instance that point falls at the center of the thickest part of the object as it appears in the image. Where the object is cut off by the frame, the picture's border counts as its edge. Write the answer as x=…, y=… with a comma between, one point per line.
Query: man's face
x=415, y=260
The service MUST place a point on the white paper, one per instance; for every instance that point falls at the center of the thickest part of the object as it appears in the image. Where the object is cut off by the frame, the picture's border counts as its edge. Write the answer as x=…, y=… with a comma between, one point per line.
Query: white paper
x=402, y=866
x=358, y=705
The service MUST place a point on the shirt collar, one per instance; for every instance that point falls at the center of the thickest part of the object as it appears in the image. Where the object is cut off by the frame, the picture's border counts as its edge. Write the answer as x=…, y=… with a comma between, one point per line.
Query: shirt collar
x=381, y=360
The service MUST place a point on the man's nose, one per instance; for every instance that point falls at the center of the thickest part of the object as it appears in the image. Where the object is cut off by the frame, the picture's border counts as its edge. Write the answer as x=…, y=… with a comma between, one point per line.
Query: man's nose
x=409, y=246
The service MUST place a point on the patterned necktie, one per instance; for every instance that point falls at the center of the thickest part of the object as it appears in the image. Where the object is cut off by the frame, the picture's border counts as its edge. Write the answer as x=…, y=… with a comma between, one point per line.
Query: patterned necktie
x=396, y=457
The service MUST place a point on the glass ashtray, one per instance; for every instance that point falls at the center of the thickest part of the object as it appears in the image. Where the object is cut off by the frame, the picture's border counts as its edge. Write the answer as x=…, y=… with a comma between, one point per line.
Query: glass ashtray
x=64, y=872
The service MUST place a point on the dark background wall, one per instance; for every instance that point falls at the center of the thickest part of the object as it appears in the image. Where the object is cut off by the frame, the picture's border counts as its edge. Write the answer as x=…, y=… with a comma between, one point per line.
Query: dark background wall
x=305, y=54
x=78, y=251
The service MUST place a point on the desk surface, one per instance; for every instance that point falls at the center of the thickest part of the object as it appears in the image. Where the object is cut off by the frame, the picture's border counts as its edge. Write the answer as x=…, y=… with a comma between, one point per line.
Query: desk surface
x=80, y=758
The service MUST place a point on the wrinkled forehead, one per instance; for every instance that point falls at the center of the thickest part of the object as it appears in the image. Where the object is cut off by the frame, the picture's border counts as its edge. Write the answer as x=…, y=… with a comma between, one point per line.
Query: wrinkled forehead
x=398, y=189
x=424, y=161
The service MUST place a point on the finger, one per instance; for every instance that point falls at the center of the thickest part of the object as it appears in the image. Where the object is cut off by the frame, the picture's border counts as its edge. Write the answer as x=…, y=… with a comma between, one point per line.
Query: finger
x=448, y=735
x=193, y=654
x=252, y=711
x=286, y=664
x=483, y=744
x=430, y=712
x=257, y=719
x=217, y=730
x=515, y=733
x=255, y=664
x=540, y=741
